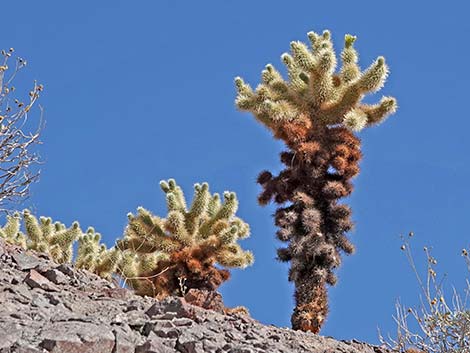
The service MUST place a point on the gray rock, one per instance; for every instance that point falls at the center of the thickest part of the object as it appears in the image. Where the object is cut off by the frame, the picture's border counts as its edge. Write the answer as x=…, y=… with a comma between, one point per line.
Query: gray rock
x=190, y=342
x=77, y=337
x=154, y=344
x=25, y=262
x=57, y=308
x=35, y=280
x=56, y=276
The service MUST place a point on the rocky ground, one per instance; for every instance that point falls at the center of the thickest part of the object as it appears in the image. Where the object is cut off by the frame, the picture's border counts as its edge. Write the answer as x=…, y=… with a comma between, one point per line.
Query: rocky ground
x=46, y=307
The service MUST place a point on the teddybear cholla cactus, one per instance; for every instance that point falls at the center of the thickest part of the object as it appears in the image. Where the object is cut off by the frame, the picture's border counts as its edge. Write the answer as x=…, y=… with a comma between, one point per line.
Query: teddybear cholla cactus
x=161, y=257
x=56, y=240
x=95, y=257
x=315, y=113
x=53, y=238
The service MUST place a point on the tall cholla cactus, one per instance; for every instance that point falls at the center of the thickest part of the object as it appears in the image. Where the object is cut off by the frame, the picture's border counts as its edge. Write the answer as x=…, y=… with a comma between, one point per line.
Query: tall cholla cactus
x=43, y=235
x=163, y=257
x=315, y=112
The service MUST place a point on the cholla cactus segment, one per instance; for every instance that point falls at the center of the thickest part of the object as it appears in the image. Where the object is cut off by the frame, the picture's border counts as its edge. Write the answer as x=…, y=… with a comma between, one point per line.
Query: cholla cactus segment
x=89, y=248
x=107, y=262
x=188, y=243
x=11, y=231
x=315, y=91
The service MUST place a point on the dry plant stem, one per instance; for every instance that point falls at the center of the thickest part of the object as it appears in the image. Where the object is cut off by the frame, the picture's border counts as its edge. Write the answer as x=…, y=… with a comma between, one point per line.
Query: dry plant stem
x=315, y=224
x=437, y=325
x=17, y=158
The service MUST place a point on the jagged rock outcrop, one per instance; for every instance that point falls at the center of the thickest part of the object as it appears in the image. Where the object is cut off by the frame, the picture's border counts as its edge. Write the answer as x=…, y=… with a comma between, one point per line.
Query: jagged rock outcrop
x=47, y=307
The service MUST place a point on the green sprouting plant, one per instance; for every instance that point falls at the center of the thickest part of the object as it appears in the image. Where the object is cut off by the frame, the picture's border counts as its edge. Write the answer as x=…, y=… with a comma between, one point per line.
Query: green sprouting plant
x=441, y=324
x=160, y=253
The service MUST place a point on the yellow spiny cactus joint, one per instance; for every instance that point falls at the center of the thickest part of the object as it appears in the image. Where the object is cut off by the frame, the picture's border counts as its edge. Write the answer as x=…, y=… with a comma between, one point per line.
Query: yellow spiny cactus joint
x=10, y=232
x=89, y=250
x=107, y=262
x=314, y=89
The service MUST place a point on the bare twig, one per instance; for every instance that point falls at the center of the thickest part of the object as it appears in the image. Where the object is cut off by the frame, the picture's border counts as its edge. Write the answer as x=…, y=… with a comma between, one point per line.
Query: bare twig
x=17, y=160
x=442, y=328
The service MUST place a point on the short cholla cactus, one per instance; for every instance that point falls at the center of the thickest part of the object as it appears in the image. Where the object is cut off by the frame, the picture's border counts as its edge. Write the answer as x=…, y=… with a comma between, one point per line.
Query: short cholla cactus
x=315, y=113
x=94, y=256
x=56, y=240
x=163, y=257
x=42, y=235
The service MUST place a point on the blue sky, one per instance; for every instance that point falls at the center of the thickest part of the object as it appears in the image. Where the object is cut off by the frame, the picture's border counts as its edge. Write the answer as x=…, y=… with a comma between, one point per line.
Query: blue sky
x=136, y=92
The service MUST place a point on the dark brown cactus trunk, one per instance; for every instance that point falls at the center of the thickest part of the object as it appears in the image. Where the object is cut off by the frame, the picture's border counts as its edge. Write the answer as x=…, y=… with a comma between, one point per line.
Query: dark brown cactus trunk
x=318, y=174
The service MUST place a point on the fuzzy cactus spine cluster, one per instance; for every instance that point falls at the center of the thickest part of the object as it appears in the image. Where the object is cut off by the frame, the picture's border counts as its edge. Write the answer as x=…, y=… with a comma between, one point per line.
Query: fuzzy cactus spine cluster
x=316, y=112
x=95, y=257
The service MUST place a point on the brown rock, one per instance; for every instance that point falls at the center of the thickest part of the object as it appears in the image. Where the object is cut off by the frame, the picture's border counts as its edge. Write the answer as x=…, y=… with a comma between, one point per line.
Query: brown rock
x=35, y=280
x=210, y=300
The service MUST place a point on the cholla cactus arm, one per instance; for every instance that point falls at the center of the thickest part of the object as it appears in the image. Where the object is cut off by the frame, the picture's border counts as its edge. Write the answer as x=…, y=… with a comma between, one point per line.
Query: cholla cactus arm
x=350, y=69
x=88, y=250
x=33, y=231
x=198, y=207
x=127, y=266
x=224, y=212
x=65, y=236
x=107, y=262
x=62, y=240
x=175, y=225
x=175, y=197
x=11, y=231
x=145, y=234
x=243, y=228
x=315, y=90
x=47, y=227
x=149, y=262
x=232, y=256
x=378, y=112
x=214, y=205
